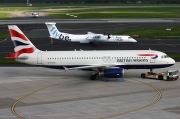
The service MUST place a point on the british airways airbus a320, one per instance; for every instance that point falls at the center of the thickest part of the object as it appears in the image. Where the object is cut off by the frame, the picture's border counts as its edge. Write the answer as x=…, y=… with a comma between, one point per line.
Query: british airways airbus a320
x=109, y=64
x=90, y=37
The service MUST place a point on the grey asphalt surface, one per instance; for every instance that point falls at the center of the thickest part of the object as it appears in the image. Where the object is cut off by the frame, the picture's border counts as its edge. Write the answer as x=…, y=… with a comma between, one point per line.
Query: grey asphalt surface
x=72, y=95
x=29, y=20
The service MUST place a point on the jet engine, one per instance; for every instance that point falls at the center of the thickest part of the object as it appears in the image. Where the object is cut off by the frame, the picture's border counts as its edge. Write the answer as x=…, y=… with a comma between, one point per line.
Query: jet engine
x=112, y=73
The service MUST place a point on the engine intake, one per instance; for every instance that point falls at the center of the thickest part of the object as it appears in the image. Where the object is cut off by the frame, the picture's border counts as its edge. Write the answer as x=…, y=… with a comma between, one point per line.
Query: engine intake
x=112, y=73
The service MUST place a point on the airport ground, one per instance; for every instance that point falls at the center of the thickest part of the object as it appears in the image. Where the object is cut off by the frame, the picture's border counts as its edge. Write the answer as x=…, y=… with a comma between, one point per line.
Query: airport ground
x=41, y=93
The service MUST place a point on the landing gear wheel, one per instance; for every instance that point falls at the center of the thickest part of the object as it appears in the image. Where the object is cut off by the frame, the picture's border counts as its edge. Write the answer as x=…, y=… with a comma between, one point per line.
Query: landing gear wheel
x=151, y=70
x=93, y=77
x=93, y=43
x=160, y=77
x=142, y=75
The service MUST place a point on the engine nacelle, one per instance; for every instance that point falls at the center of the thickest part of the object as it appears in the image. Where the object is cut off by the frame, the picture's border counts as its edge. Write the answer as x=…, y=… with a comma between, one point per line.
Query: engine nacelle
x=112, y=73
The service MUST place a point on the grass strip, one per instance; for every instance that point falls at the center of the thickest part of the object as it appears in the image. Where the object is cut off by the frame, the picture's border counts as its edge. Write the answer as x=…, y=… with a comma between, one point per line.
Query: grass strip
x=5, y=16
x=4, y=60
x=153, y=32
x=157, y=12
x=43, y=4
x=174, y=56
x=4, y=35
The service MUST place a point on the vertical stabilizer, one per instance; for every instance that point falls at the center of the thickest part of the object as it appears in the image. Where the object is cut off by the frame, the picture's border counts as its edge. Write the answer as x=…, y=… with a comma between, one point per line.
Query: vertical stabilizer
x=53, y=31
x=21, y=43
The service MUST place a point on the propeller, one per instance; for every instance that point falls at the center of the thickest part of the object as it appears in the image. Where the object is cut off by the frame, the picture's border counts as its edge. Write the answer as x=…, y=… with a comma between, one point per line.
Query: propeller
x=109, y=36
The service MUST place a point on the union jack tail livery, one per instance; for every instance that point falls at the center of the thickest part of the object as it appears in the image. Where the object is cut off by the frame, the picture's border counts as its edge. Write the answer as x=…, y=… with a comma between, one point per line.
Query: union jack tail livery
x=21, y=43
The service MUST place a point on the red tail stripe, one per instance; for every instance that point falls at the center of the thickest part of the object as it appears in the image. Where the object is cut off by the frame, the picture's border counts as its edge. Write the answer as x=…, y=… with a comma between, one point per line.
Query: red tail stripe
x=147, y=54
x=17, y=34
x=13, y=56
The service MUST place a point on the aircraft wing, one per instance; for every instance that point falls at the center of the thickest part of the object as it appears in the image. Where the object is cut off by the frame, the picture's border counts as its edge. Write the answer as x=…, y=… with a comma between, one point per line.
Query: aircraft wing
x=96, y=67
x=90, y=33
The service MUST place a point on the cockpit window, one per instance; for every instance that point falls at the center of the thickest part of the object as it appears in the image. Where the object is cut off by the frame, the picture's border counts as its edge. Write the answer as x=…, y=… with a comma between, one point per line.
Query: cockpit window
x=98, y=36
x=129, y=37
x=164, y=56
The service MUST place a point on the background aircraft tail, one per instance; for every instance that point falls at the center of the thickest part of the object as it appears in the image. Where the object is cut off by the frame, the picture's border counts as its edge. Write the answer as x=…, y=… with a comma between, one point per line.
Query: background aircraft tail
x=53, y=31
x=21, y=43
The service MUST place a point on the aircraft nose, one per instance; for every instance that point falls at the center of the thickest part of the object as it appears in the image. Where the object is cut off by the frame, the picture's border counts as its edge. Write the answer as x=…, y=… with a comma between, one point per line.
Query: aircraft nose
x=134, y=40
x=171, y=61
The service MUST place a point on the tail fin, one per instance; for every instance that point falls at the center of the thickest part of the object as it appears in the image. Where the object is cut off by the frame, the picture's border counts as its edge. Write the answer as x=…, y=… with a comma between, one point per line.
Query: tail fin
x=21, y=43
x=53, y=31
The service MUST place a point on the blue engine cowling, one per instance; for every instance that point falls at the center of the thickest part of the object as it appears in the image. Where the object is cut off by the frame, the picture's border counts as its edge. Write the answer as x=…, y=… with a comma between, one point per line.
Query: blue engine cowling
x=112, y=73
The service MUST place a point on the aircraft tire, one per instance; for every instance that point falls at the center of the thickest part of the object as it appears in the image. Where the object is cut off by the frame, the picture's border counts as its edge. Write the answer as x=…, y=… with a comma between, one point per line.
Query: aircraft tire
x=160, y=77
x=93, y=77
x=143, y=75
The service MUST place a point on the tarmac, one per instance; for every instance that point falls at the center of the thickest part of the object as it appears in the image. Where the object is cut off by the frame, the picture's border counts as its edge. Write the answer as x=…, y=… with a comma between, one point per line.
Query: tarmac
x=42, y=93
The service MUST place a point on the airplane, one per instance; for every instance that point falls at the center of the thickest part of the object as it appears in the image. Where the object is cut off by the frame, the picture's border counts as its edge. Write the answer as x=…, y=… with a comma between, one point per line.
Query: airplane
x=90, y=37
x=105, y=63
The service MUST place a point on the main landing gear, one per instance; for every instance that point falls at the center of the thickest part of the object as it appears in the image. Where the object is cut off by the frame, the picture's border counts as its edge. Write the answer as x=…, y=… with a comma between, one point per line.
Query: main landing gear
x=93, y=43
x=94, y=76
x=151, y=71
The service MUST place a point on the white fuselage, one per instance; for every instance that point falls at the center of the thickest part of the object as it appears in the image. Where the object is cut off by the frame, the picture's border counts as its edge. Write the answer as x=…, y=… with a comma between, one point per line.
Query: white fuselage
x=128, y=59
x=87, y=38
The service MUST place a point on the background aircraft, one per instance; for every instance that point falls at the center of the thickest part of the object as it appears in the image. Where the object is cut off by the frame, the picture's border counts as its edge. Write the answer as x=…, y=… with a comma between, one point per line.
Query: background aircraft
x=90, y=37
x=106, y=63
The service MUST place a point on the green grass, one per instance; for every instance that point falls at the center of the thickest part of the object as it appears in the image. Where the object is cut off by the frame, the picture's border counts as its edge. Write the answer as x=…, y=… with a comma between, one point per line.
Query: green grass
x=5, y=16
x=4, y=60
x=159, y=12
x=153, y=32
x=4, y=35
x=6, y=9
x=174, y=56
x=81, y=4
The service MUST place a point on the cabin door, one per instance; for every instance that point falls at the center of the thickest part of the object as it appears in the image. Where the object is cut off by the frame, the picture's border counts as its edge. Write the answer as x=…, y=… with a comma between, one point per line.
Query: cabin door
x=153, y=58
x=39, y=58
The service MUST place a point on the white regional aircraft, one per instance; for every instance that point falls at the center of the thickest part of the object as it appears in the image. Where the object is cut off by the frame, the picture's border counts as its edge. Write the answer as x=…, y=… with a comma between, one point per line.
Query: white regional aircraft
x=109, y=64
x=90, y=37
